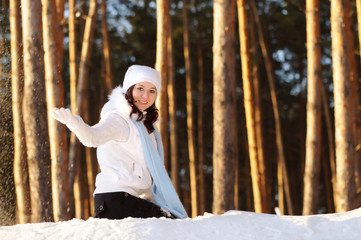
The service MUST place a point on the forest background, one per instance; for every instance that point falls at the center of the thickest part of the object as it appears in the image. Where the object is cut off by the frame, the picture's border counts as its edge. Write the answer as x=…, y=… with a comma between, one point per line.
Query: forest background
x=259, y=108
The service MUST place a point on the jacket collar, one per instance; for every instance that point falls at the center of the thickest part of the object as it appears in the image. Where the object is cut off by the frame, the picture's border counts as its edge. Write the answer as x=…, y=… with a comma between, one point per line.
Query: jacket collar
x=117, y=102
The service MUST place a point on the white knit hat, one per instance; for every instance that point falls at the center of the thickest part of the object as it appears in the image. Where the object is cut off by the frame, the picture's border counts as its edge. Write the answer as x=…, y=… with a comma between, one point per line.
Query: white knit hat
x=137, y=73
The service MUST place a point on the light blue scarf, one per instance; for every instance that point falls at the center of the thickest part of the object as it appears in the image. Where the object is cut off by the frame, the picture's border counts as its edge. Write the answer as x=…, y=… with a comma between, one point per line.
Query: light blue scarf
x=164, y=193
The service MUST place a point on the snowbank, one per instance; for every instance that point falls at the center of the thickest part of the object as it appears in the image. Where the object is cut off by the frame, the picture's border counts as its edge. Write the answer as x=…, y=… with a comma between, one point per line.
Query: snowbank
x=231, y=225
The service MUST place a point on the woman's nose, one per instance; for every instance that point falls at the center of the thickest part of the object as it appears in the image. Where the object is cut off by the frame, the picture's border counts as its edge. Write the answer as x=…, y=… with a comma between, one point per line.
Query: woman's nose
x=145, y=94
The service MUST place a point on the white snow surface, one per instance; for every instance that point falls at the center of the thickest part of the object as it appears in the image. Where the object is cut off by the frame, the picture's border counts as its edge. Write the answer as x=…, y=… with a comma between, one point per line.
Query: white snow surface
x=230, y=225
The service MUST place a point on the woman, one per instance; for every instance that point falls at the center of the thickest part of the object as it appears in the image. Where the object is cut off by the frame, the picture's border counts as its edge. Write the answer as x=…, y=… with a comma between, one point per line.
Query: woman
x=133, y=181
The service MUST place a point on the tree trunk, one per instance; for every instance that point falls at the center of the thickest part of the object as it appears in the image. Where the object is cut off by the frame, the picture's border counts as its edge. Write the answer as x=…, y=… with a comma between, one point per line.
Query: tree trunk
x=73, y=70
x=21, y=175
x=330, y=138
x=358, y=116
x=271, y=80
x=59, y=8
x=201, y=151
x=163, y=19
x=106, y=49
x=55, y=98
x=72, y=55
x=345, y=100
x=82, y=91
x=34, y=110
x=313, y=137
x=190, y=128
x=172, y=114
x=257, y=166
x=266, y=190
x=225, y=150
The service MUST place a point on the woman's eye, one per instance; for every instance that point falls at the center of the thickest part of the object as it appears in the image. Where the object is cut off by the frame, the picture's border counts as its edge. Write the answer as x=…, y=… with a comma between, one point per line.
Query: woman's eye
x=140, y=88
x=152, y=91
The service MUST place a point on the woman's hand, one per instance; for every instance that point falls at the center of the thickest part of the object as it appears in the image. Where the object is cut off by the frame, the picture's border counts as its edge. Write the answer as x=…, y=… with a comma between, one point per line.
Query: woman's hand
x=65, y=116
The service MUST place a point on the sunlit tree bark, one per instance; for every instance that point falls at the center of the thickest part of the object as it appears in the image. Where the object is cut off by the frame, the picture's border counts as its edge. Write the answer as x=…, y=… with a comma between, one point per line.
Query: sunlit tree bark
x=266, y=191
x=55, y=98
x=82, y=107
x=163, y=19
x=34, y=110
x=190, y=128
x=256, y=162
x=173, y=134
x=313, y=135
x=21, y=175
x=345, y=101
x=282, y=169
x=225, y=151
x=106, y=50
x=73, y=70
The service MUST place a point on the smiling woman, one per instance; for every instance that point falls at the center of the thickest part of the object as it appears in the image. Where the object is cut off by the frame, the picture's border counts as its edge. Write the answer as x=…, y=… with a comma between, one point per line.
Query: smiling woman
x=133, y=181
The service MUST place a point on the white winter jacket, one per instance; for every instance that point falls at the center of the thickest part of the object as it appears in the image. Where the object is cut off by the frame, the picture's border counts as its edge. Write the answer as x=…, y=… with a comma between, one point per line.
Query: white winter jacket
x=119, y=149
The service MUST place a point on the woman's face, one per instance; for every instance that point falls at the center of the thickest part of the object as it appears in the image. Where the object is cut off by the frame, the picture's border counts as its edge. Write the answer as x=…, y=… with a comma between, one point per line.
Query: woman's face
x=144, y=94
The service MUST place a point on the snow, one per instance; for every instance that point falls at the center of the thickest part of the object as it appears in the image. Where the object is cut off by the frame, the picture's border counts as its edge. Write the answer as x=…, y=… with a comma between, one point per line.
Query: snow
x=230, y=225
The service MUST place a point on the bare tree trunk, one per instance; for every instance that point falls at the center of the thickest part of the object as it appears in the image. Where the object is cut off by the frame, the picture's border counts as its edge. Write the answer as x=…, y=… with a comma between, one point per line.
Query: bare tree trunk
x=345, y=101
x=106, y=49
x=34, y=110
x=73, y=69
x=225, y=151
x=358, y=117
x=271, y=80
x=72, y=54
x=172, y=114
x=257, y=167
x=163, y=19
x=55, y=98
x=328, y=185
x=330, y=137
x=21, y=175
x=313, y=137
x=59, y=8
x=266, y=189
x=190, y=129
x=82, y=90
x=202, y=190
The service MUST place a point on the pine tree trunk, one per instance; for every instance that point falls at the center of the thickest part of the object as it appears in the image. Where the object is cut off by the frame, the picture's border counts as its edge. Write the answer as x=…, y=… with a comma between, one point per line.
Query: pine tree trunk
x=313, y=137
x=34, y=110
x=345, y=101
x=21, y=175
x=330, y=138
x=73, y=70
x=163, y=19
x=190, y=128
x=106, y=49
x=279, y=141
x=81, y=97
x=172, y=115
x=225, y=150
x=257, y=166
x=55, y=98
x=358, y=163
x=266, y=189
x=201, y=151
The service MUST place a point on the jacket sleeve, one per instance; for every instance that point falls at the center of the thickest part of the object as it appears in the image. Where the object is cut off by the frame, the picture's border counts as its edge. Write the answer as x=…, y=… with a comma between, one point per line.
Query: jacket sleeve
x=113, y=127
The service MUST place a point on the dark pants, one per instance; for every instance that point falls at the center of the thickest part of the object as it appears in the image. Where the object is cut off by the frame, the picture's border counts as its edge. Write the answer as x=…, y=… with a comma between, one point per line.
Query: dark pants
x=119, y=205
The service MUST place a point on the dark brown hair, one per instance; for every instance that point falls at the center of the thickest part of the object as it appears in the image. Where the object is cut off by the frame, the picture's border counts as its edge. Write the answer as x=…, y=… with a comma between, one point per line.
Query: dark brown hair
x=150, y=117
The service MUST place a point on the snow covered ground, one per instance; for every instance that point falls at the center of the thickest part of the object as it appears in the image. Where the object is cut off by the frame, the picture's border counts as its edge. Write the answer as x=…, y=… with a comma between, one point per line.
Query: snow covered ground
x=231, y=225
